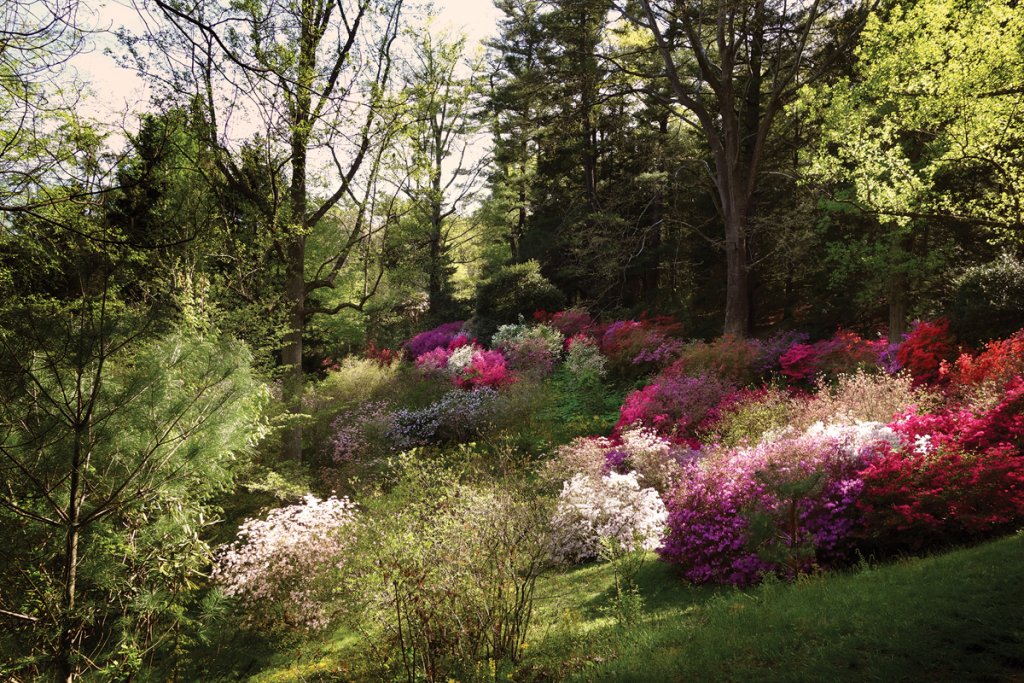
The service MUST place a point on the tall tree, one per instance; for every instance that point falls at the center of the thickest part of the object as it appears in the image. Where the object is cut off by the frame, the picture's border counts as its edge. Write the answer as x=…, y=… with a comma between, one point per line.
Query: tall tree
x=922, y=142
x=732, y=67
x=445, y=160
x=315, y=74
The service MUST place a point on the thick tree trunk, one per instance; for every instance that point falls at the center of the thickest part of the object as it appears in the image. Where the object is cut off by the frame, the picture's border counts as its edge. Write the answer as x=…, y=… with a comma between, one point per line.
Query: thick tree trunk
x=737, y=288
x=295, y=295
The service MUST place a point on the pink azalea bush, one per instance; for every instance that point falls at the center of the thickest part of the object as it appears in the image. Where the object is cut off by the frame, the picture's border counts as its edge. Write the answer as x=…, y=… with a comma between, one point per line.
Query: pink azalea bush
x=674, y=405
x=845, y=352
x=485, y=369
x=612, y=506
x=278, y=568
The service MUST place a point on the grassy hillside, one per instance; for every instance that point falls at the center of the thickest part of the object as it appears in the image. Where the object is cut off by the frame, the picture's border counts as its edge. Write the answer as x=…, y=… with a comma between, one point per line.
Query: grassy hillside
x=957, y=616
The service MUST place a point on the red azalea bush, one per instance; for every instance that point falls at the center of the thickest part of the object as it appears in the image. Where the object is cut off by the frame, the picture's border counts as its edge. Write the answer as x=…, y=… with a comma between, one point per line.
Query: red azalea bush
x=962, y=428
x=384, y=357
x=998, y=363
x=915, y=499
x=570, y=322
x=926, y=347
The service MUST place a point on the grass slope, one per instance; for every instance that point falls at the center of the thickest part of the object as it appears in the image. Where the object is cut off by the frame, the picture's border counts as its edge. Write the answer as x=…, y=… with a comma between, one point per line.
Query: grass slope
x=956, y=616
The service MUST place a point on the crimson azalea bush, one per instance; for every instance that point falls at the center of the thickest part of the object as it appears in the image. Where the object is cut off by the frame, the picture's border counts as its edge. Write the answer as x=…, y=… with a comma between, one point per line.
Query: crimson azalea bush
x=570, y=322
x=805, y=488
x=485, y=369
x=925, y=349
x=922, y=497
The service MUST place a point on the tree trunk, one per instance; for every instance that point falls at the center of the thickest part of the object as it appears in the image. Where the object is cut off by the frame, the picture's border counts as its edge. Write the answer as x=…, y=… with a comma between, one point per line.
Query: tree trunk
x=65, y=645
x=737, y=290
x=295, y=295
x=897, y=308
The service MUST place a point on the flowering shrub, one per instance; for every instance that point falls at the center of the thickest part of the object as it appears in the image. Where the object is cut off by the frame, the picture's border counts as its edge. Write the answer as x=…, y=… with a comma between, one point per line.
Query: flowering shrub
x=856, y=440
x=435, y=360
x=279, y=567
x=583, y=359
x=984, y=377
x=916, y=498
x=844, y=353
x=440, y=336
x=860, y=396
x=356, y=432
x=485, y=369
x=509, y=336
x=657, y=461
x=746, y=416
x=455, y=417
x=728, y=357
x=633, y=346
x=460, y=358
x=583, y=455
x=612, y=506
x=673, y=405
x=770, y=350
x=806, y=489
x=570, y=322
x=962, y=428
x=926, y=347
x=532, y=350
x=383, y=357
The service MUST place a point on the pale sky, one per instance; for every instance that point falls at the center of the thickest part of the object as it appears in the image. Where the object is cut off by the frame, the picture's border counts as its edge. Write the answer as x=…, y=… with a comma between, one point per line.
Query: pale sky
x=115, y=91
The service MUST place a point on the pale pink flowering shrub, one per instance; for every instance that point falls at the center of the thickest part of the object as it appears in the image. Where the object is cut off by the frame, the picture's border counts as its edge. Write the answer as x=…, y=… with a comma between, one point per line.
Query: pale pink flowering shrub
x=583, y=455
x=655, y=459
x=279, y=568
x=612, y=506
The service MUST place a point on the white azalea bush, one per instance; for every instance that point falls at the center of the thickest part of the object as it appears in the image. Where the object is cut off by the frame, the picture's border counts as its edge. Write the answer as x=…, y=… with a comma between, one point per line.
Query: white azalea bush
x=857, y=438
x=279, y=568
x=613, y=506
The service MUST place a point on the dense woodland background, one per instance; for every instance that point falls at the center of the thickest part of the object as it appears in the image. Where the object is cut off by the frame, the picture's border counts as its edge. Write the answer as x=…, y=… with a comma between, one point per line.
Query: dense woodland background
x=319, y=178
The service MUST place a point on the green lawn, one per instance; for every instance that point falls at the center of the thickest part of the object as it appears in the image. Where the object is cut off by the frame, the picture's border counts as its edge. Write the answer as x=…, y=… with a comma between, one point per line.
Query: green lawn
x=958, y=616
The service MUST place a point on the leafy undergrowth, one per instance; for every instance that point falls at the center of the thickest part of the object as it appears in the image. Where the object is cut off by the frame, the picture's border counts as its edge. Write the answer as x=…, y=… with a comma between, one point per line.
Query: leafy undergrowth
x=950, y=617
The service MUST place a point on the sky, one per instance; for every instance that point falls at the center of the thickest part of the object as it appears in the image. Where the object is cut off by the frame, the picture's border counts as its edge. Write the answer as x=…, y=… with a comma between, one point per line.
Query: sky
x=114, y=93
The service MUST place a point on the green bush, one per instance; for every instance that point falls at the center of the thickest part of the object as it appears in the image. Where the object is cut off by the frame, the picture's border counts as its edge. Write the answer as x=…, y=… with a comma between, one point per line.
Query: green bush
x=442, y=578
x=512, y=292
x=986, y=301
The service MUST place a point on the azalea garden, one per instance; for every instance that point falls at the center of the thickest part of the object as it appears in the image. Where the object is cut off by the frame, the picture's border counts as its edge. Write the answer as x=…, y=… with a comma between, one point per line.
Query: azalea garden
x=628, y=340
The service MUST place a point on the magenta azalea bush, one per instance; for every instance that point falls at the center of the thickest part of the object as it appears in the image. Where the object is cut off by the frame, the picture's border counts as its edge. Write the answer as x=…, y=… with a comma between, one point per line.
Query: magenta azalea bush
x=810, y=482
x=439, y=337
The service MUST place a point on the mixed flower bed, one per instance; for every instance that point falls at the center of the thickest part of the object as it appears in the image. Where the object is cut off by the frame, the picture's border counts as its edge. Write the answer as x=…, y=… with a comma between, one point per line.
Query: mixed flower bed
x=734, y=459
